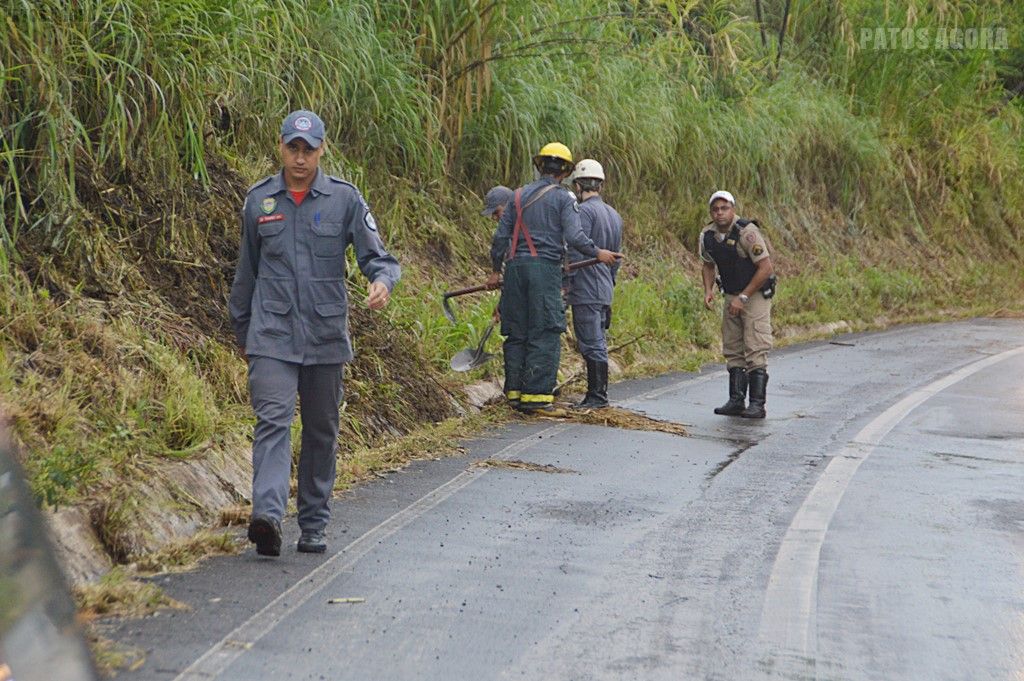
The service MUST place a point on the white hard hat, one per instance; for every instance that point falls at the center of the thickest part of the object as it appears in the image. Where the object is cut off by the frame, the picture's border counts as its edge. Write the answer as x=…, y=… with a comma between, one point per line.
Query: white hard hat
x=722, y=195
x=588, y=168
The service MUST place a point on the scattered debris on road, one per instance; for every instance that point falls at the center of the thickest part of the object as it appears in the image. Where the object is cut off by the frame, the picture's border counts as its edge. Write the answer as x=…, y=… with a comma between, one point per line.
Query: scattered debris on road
x=617, y=417
x=521, y=465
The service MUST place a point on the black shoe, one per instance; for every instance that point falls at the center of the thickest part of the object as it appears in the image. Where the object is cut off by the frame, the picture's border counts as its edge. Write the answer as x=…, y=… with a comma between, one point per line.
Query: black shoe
x=737, y=393
x=758, y=388
x=265, y=532
x=312, y=541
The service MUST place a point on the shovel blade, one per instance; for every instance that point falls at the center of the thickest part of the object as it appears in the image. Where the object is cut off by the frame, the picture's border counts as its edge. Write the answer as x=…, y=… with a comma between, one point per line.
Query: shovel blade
x=469, y=359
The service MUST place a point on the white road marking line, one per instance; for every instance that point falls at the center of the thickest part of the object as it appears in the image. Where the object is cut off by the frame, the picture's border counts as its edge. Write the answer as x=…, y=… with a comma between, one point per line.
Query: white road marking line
x=214, y=661
x=788, y=619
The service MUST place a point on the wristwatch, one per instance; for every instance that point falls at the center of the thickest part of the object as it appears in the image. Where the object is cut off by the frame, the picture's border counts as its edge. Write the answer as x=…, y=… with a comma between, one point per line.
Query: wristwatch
x=743, y=298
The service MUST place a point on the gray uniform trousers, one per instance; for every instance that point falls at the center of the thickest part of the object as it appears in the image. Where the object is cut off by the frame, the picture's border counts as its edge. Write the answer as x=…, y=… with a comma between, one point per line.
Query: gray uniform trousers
x=588, y=323
x=273, y=385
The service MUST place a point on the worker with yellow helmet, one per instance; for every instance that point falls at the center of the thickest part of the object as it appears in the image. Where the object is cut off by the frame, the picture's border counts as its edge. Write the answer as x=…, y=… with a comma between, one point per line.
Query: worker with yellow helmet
x=529, y=244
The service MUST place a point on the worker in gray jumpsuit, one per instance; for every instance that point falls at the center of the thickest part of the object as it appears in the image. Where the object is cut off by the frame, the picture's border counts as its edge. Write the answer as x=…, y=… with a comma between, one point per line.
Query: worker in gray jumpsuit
x=590, y=289
x=529, y=244
x=289, y=308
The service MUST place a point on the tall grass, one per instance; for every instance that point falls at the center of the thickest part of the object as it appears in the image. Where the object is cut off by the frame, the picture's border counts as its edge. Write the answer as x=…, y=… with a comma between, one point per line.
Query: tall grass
x=128, y=130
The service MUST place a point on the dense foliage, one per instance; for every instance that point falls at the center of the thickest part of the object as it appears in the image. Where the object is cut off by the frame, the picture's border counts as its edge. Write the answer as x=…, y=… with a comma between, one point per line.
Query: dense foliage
x=130, y=128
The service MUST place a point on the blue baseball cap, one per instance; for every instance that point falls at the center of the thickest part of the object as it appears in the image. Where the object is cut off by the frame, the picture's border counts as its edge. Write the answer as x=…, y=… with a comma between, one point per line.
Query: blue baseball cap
x=496, y=197
x=304, y=124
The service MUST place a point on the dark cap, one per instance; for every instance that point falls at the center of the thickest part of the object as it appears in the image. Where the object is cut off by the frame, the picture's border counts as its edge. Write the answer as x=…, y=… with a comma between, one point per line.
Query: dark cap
x=496, y=197
x=304, y=124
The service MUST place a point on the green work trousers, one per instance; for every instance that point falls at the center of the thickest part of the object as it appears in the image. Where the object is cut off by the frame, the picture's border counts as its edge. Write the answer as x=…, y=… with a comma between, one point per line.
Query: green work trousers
x=532, y=321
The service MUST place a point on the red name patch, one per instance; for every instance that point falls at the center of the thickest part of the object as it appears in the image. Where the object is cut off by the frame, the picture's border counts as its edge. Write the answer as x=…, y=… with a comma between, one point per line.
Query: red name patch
x=277, y=217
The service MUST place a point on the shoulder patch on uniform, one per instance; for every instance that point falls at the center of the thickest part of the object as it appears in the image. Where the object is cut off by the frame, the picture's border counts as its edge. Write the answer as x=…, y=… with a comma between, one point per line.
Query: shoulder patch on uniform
x=758, y=250
x=575, y=205
x=371, y=223
x=750, y=237
x=368, y=219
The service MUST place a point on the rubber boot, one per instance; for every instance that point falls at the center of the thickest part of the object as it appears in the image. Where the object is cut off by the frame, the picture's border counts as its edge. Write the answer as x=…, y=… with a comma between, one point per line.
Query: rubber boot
x=597, y=386
x=758, y=383
x=591, y=381
x=737, y=393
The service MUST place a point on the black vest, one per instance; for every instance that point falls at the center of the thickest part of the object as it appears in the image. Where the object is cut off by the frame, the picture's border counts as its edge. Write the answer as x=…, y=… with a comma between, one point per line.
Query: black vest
x=735, y=270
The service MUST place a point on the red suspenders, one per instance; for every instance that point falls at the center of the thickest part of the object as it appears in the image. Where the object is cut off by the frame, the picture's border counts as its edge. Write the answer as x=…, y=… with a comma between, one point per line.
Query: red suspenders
x=520, y=227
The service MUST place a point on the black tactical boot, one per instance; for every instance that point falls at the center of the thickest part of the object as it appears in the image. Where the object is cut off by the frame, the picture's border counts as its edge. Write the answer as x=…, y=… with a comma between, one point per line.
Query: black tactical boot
x=737, y=393
x=758, y=380
x=597, y=386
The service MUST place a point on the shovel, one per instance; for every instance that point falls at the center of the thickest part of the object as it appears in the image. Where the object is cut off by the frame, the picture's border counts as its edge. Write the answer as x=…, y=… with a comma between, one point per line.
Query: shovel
x=471, y=358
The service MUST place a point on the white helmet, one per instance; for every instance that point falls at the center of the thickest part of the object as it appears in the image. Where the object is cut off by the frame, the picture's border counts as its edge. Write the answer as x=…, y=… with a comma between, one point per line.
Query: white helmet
x=588, y=168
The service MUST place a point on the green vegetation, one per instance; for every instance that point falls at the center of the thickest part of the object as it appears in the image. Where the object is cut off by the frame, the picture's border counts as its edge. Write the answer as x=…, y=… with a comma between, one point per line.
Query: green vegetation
x=118, y=594
x=889, y=182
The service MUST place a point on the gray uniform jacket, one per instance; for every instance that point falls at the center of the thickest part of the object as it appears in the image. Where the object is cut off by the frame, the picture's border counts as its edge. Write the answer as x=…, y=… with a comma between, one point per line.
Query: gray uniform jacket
x=288, y=300
x=593, y=285
x=552, y=221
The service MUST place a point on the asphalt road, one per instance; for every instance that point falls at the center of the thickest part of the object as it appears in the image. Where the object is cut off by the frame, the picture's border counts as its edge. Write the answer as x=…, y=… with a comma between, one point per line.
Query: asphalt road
x=871, y=528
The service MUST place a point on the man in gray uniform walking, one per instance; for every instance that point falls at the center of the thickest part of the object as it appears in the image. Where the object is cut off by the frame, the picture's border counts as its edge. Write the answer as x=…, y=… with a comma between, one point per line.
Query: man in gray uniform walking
x=289, y=308
x=590, y=291
x=529, y=243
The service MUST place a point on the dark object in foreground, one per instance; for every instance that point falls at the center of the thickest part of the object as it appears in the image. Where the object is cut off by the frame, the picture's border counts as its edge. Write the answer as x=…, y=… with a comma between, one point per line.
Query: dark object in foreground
x=40, y=639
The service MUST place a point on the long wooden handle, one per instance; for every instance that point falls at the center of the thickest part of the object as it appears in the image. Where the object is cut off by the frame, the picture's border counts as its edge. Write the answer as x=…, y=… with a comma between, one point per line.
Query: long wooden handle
x=581, y=264
x=484, y=287
x=470, y=289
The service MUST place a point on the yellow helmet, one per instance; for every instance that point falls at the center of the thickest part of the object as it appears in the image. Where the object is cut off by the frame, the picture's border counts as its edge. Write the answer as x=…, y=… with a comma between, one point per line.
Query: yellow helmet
x=554, y=150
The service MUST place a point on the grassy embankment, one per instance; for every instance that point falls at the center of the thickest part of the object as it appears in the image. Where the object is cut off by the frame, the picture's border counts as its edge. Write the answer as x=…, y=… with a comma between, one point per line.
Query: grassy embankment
x=889, y=182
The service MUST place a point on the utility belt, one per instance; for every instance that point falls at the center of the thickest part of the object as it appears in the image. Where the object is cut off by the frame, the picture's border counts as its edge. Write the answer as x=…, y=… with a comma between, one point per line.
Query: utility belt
x=767, y=288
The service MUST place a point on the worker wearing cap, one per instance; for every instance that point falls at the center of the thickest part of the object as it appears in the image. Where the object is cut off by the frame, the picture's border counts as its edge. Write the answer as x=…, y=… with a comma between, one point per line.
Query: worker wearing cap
x=590, y=289
x=495, y=201
x=289, y=308
x=529, y=244
x=737, y=250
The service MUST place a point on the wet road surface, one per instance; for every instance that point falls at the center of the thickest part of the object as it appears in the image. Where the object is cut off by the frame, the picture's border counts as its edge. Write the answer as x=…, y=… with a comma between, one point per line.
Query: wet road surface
x=871, y=528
